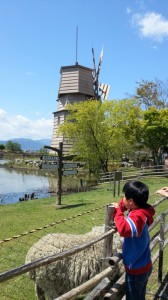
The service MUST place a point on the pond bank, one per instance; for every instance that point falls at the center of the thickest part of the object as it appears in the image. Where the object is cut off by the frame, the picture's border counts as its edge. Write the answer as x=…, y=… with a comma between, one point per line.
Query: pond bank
x=18, y=181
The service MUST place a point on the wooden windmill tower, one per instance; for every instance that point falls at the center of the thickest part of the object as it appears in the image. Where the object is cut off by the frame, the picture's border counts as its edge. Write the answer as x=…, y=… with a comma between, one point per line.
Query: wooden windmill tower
x=77, y=83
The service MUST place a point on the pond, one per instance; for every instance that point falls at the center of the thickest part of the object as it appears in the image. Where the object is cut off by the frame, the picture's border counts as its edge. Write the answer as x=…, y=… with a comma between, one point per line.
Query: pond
x=15, y=184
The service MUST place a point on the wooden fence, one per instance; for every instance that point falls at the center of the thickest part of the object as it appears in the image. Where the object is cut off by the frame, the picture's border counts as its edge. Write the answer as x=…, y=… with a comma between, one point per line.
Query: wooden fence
x=133, y=173
x=100, y=285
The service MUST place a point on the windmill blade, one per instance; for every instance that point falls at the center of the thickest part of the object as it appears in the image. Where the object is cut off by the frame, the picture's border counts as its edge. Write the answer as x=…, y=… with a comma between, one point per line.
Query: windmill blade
x=104, y=90
x=101, y=54
x=94, y=65
x=100, y=62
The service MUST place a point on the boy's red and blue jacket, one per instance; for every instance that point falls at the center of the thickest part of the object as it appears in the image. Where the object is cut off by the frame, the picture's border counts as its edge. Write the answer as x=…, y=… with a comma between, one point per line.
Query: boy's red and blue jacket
x=134, y=230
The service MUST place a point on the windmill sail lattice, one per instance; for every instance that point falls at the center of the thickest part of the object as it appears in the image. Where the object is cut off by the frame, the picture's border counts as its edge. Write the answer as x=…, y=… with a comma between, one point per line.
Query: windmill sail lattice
x=104, y=90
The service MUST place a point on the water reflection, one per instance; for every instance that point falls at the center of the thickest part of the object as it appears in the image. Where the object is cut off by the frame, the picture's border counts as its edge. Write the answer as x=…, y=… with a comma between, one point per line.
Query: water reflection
x=15, y=184
x=3, y=161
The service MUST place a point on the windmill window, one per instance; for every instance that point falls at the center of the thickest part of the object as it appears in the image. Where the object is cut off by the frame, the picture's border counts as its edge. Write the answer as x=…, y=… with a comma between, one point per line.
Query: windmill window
x=59, y=120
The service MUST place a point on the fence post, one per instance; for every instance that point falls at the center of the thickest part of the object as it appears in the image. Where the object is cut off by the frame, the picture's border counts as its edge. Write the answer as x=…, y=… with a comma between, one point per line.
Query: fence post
x=117, y=177
x=160, y=267
x=108, y=241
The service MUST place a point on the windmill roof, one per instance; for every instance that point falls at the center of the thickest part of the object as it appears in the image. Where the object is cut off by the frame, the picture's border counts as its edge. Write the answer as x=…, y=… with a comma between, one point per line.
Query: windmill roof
x=75, y=66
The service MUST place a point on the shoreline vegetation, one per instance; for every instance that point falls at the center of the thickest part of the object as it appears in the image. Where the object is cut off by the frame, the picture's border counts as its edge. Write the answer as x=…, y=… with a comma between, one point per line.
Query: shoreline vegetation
x=70, y=184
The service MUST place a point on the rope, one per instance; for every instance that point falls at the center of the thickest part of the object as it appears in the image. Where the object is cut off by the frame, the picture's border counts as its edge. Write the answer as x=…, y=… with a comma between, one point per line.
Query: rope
x=50, y=225
x=58, y=222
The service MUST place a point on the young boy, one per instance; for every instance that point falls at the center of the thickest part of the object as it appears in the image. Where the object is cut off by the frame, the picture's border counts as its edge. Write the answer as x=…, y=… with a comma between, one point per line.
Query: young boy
x=134, y=230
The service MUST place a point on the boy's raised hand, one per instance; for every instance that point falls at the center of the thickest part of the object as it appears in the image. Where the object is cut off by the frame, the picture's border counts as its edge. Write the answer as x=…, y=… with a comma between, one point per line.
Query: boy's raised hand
x=115, y=204
x=163, y=191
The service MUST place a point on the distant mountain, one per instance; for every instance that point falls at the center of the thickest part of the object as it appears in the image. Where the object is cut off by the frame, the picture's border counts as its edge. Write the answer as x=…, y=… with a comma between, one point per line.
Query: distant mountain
x=28, y=144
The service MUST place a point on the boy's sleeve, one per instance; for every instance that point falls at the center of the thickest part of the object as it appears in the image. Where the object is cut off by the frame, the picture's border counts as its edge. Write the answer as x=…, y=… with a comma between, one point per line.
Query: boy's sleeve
x=132, y=225
x=122, y=225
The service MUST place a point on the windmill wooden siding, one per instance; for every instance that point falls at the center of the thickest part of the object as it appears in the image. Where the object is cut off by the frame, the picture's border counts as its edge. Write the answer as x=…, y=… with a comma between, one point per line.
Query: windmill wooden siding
x=76, y=79
x=67, y=145
x=76, y=84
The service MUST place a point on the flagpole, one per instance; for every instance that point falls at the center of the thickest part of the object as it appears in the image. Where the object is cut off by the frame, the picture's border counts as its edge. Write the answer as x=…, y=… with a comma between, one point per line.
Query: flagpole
x=77, y=45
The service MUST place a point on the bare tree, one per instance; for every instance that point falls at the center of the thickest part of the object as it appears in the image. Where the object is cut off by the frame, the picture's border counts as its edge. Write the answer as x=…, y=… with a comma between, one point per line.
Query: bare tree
x=152, y=93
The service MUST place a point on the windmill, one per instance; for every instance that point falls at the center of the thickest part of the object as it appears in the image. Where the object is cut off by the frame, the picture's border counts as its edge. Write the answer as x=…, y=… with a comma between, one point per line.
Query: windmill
x=101, y=90
x=77, y=84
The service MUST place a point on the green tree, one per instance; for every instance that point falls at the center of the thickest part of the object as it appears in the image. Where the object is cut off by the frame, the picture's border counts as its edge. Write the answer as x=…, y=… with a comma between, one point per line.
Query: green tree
x=12, y=146
x=152, y=93
x=85, y=127
x=2, y=147
x=155, y=130
x=124, y=124
x=101, y=130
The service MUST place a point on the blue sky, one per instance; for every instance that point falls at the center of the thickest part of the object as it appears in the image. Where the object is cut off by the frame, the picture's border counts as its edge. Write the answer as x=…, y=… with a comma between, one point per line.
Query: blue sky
x=37, y=37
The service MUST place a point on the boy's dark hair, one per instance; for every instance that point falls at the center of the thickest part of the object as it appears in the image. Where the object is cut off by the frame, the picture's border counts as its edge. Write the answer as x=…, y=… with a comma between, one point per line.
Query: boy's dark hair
x=166, y=157
x=138, y=192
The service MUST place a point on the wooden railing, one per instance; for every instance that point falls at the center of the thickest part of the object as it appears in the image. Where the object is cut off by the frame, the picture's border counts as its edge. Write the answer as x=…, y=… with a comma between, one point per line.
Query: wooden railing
x=132, y=173
x=101, y=282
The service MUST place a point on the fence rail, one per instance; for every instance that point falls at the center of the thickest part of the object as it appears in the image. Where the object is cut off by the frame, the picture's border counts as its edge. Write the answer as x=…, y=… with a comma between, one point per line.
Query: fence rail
x=101, y=281
x=133, y=173
x=48, y=260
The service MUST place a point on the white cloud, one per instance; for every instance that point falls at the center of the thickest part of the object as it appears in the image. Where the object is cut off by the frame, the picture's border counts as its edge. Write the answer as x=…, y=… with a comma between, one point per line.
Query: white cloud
x=141, y=4
x=18, y=126
x=128, y=10
x=29, y=73
x=155, y=47
x=151, y=25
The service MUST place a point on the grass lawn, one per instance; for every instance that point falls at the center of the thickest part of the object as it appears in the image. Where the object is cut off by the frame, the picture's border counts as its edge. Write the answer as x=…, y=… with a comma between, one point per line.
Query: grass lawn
x=78, y=213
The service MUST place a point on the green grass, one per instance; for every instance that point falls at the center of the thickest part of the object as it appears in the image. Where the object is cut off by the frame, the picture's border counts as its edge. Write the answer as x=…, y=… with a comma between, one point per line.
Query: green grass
x=25, y=216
